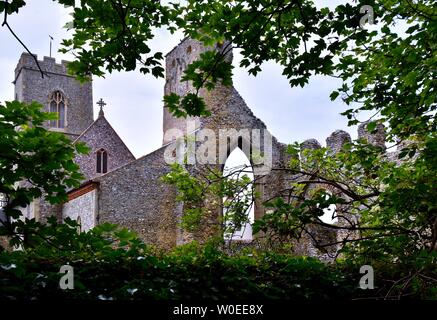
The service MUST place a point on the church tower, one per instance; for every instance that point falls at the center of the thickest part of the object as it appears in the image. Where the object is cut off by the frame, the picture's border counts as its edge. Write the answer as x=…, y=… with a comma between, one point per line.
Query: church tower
x=176, y=61
x=57, y=92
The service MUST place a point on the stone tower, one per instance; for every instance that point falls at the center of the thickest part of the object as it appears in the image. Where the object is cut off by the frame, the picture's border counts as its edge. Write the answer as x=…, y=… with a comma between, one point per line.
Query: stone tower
x=176, y=61
x=57, y=92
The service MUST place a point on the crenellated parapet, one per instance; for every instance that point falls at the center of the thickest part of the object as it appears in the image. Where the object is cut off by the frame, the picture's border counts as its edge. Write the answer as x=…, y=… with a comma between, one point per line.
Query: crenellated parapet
x=339, y=138
x=47, y=64
x=54, y=87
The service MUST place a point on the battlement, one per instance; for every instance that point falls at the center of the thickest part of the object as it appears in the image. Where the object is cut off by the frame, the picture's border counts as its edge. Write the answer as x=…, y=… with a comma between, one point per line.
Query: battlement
x=48, y=64
x=339, y=138
x=77, y=97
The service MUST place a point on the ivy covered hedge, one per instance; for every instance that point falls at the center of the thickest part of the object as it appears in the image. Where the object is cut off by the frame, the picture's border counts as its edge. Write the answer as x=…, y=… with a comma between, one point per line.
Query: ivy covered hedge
x=111, y=263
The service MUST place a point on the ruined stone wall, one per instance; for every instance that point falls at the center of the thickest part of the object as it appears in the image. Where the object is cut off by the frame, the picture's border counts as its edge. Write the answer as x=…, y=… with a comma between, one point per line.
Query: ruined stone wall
x=229, y=112
x=323, y=235
x=334, y=143
x=376, y=138
x=176, y=62
x=31, y=86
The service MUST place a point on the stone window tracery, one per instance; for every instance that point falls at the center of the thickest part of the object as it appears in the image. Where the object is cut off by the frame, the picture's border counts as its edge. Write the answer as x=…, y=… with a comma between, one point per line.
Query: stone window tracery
x=58, y=104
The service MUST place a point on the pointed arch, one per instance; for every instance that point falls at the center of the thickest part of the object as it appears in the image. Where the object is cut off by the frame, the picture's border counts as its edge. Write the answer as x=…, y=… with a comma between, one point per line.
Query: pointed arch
x=58, y=104
x=101, y=161
x=238, y=165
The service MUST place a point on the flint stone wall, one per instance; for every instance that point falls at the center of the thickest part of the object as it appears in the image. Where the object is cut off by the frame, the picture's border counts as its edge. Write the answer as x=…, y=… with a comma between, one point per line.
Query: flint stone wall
x=134, y=196
x=83, y=207
x=31, y=86
x=101, y=135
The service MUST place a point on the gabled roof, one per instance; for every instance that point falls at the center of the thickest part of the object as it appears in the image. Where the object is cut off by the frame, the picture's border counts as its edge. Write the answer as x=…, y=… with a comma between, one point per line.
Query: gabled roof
x=101, y=117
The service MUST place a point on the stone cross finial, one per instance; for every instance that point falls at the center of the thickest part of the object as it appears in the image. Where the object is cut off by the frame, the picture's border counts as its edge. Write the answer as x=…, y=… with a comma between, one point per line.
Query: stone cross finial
x=101, y=103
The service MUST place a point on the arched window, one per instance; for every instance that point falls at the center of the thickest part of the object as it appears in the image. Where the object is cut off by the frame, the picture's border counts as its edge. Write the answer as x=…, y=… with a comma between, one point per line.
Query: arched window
x=238, y=167
x=57, y=104
x=102, y=161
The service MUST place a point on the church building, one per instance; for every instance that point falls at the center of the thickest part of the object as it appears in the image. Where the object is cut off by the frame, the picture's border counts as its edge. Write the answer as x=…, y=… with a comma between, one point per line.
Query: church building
x=129, y=192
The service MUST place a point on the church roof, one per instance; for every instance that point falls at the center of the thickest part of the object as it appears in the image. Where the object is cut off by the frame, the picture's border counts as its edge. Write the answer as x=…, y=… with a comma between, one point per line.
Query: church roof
x=101, y=117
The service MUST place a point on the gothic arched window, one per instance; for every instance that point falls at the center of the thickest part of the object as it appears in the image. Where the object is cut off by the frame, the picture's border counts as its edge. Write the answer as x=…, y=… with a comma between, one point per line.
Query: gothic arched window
x=102, y=161
x=58, y=105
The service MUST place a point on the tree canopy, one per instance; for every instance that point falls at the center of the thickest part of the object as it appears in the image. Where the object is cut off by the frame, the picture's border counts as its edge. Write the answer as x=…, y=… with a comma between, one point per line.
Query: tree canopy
x=34, y=162
x=387, y=68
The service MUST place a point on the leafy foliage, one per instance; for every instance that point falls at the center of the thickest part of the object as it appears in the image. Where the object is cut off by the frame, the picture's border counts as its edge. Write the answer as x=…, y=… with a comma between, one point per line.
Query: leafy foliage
x=112, y=264
x=232, y=194
x=388, y=207
x=114, y=35
x=34, y=162
x=384, y=70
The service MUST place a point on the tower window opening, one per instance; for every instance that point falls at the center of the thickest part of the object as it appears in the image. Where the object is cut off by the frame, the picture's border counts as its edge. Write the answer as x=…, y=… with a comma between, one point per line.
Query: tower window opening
x=57, y=104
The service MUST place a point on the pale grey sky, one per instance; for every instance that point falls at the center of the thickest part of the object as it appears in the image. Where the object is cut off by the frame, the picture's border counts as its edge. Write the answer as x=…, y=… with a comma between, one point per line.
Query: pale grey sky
x=134, y=101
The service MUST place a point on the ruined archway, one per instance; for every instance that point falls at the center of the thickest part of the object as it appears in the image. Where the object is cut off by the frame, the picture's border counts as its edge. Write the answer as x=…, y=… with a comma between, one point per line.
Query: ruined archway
x=239, y=170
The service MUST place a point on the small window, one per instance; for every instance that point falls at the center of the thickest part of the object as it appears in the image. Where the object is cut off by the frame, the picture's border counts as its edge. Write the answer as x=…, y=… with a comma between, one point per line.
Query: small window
x=57, y=104
x=189, y=49
x=102, y=161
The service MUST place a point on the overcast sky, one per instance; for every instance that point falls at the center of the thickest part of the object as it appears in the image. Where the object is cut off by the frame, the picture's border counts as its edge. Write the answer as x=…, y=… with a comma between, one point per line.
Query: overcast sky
x=134, y=101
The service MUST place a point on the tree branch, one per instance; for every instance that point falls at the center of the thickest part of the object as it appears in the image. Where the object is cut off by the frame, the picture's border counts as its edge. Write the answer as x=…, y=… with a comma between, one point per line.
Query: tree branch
x=5, y=23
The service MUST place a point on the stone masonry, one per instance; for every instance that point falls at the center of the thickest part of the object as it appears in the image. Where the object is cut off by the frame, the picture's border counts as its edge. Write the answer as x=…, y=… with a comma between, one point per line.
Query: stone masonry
x=132, y=193
x=30, y=86
x=101, y=135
